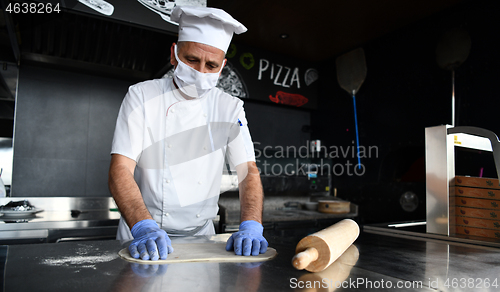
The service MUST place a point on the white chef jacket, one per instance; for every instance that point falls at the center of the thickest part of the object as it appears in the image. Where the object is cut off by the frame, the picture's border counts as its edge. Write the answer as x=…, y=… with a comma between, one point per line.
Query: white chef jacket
x=180, y=147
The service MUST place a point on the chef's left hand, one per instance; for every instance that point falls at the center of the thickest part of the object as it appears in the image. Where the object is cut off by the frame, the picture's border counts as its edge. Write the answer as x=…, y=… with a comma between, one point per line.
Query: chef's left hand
x=248, y=240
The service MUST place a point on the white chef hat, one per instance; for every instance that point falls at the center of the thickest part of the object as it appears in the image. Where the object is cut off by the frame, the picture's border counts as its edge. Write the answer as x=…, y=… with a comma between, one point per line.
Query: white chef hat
x=210, y=26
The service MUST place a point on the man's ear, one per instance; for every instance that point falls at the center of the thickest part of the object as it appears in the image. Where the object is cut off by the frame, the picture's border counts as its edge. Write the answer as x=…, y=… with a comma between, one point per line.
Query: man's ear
x=173, y=61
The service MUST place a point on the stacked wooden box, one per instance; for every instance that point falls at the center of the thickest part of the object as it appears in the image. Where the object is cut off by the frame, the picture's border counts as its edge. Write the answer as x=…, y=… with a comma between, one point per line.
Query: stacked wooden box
x=476, y=208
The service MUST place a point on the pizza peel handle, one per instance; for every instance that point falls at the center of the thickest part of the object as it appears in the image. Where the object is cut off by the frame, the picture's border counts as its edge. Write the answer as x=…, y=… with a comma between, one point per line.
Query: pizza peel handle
x=451, y=51
x=351, y=73
x=317, y=251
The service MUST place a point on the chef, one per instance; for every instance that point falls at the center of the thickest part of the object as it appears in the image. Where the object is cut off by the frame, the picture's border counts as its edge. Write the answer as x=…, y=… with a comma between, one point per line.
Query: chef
x=172, y=140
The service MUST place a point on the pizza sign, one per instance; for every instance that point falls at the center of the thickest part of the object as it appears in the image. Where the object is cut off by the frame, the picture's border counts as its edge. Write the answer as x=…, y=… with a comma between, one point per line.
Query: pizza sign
x=254, y=74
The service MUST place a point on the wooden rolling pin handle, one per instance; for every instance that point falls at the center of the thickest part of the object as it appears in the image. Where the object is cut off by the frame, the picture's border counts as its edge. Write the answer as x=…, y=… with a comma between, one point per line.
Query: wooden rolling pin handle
x=301, y=260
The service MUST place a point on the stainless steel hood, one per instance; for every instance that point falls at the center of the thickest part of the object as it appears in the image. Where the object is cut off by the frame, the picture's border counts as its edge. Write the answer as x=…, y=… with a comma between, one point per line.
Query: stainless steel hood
x=70, y=40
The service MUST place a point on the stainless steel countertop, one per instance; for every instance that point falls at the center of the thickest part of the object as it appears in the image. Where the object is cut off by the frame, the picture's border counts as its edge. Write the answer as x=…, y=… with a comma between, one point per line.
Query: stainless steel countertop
x=93, y=217
x=58, y=219
x=95, y=266
x=275, y=210
x=57, y=213
x=65, y=203
x=286, y=215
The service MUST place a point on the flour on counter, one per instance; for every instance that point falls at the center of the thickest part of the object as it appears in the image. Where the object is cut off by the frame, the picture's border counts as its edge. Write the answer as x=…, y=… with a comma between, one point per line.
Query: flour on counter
x=80, y=261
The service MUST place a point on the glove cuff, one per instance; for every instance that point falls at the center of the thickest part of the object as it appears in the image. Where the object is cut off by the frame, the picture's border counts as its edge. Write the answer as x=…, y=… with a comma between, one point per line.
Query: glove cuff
x=252, y=224
x=141, y=224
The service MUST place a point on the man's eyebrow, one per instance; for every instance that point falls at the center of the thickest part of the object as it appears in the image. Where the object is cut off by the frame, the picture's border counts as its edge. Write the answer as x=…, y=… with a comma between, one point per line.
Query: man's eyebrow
x=187, y=56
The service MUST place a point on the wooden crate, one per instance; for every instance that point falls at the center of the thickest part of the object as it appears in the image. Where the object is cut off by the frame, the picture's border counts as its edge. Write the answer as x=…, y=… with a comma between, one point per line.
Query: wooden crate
x=489, y=233
x=477, y=203
x=490, y=194
x=475, y=207
x=477, y=182
x=477, y=213
x=478, y=223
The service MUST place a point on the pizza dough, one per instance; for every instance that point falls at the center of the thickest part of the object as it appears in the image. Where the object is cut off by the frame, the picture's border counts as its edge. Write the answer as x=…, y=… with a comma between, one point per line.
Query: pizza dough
x=201, y=252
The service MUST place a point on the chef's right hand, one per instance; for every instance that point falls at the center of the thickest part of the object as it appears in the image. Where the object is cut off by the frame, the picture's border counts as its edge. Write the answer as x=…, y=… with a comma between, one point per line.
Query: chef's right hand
x=150, y=241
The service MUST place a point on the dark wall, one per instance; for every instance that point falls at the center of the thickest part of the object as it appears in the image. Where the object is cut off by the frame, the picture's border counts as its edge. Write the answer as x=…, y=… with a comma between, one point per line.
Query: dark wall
x=405, y=91
x=63, y=132
x=272, y=125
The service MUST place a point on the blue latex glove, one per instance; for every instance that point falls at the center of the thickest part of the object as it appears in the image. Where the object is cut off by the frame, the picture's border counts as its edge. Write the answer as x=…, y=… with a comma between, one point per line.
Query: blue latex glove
x=248, y=240
x=150, y=242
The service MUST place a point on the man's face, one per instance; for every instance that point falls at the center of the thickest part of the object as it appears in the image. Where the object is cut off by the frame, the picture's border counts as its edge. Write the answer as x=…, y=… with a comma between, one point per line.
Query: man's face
x=201, y=57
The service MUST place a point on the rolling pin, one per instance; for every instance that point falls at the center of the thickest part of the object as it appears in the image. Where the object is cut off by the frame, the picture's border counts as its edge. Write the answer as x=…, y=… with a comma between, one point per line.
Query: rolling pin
x=334, y=274
x=317, y=251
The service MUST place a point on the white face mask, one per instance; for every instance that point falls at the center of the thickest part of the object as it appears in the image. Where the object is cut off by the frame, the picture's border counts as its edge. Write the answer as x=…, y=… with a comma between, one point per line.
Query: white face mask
x=192, y=82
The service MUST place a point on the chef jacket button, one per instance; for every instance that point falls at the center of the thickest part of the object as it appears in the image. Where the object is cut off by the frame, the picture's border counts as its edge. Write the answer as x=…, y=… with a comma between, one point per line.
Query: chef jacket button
x=172, y=110
x=169, y=146
x=198, y=215
x=205, y=148
x=166, y=214
x=199, y=182
x=168, y=181
x=205, y=115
